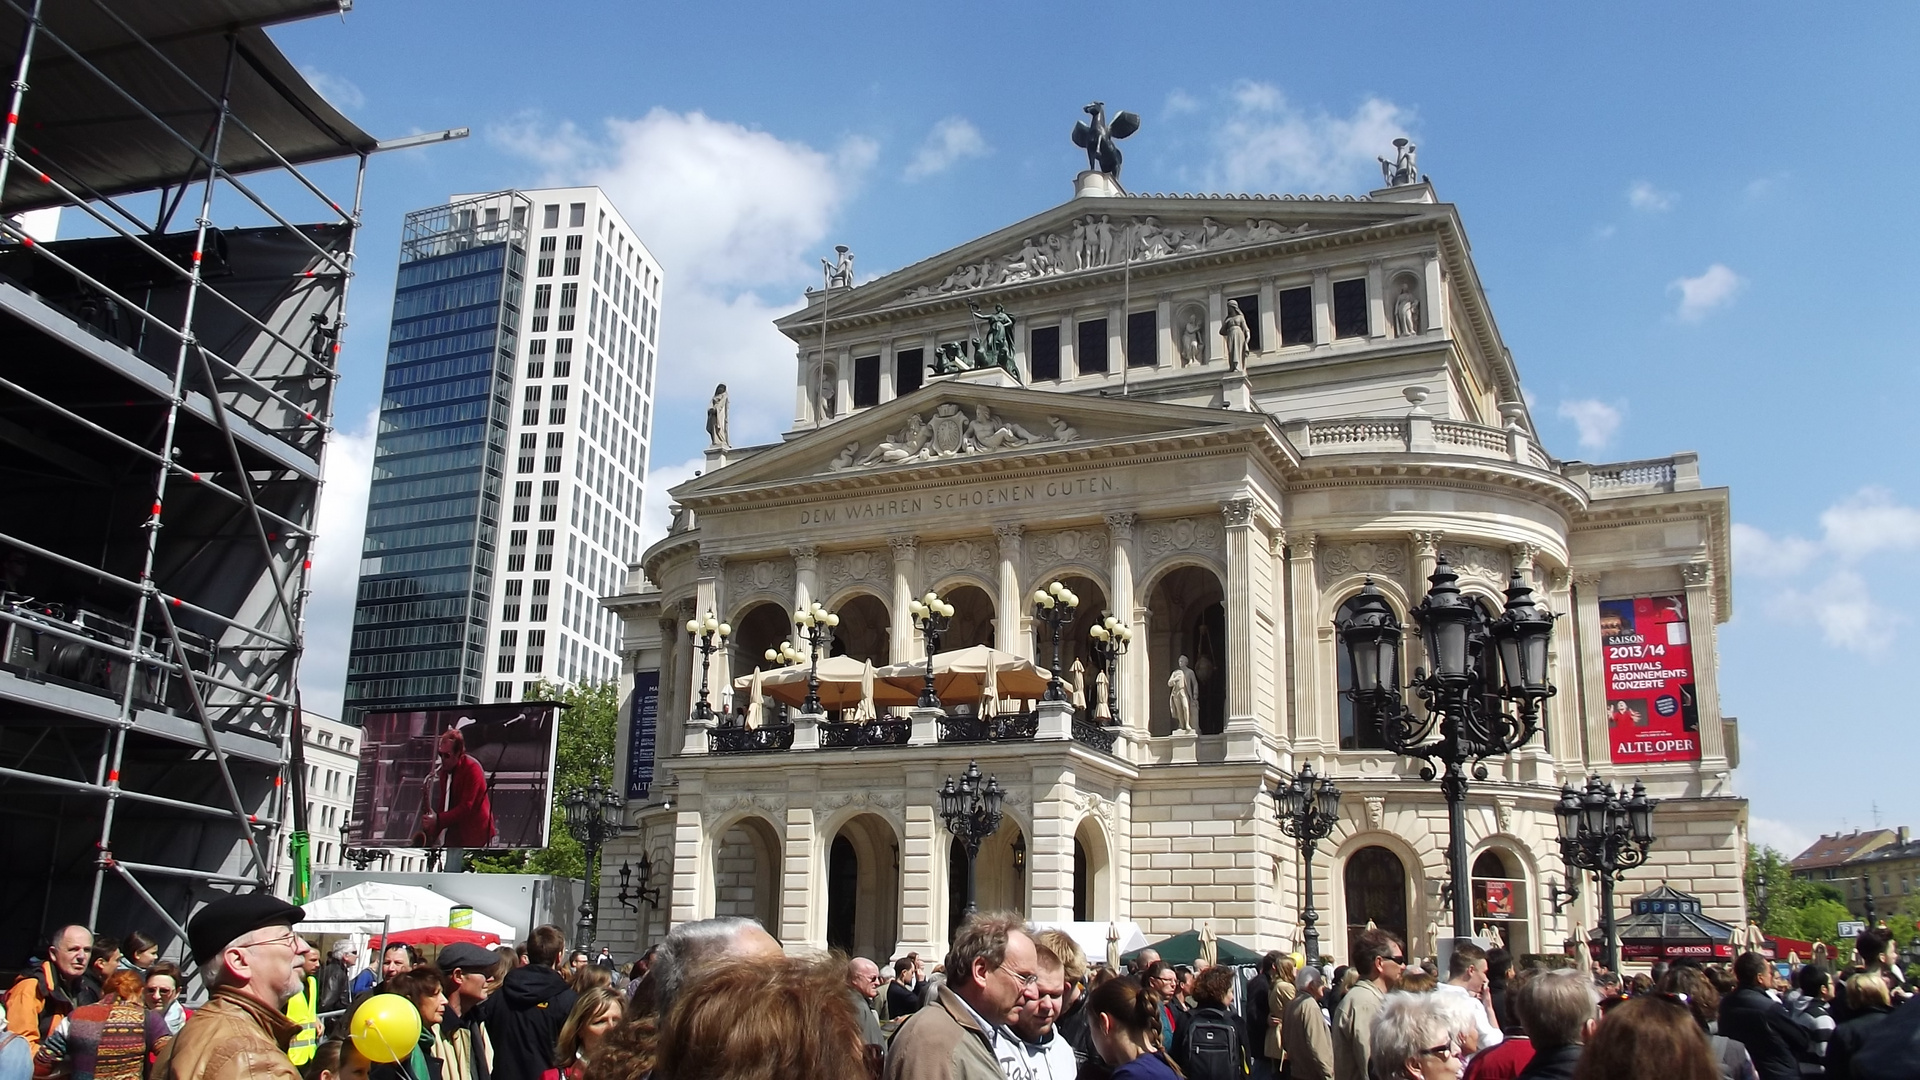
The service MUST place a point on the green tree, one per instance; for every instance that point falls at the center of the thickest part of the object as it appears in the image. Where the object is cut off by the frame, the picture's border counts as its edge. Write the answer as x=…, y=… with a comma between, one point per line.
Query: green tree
x=587, y=727
x=1788, y=897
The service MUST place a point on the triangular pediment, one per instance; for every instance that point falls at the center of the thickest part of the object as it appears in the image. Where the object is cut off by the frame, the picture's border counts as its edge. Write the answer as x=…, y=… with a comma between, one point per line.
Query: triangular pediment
x=953, y=423
x=1085, y=238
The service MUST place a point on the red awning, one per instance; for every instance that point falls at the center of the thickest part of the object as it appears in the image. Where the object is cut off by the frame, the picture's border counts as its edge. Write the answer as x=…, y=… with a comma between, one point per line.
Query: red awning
x=437, y=935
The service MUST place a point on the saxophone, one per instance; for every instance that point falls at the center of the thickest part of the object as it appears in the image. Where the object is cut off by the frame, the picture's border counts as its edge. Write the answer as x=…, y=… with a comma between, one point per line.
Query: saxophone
x=420, y=838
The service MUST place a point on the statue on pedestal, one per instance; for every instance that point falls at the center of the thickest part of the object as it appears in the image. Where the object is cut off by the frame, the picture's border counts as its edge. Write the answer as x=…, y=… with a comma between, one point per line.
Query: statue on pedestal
x=1183, y=694
x=1406, y=312
x=1402, y=169
x=1234, y=329
x=996, y=348
x=1193, y=347
x=840, y=272
x=717, y=418
x=1097, y=138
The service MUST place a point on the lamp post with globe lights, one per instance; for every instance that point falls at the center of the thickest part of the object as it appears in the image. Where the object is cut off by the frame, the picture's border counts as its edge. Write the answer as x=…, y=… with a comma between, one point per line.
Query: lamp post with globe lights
x=1307, y=808
x=816, y=625
x=707, y=634
x=593, y=817
x=1481, y=663
x=1608, y=833
x=971, y=811
x=1054, y=606
x=933, y=616
x=1110, y=640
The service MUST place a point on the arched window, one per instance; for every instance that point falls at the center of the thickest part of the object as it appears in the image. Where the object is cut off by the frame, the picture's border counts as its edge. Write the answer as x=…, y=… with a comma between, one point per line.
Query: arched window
x=1376, y=887
x=1500, y=899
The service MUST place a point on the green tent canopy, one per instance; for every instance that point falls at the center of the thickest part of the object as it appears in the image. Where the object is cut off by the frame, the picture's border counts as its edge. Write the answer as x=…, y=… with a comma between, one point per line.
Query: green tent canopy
x=1184, y=948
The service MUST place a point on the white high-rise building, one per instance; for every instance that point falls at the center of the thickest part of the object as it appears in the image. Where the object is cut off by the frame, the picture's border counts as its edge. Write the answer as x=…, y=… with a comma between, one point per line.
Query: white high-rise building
x=514, y=432
x=578, y=443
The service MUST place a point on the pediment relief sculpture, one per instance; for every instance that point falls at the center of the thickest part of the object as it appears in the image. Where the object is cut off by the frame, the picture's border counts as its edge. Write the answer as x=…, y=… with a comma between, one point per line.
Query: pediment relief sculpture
x=1096, y=241
x=950, y=432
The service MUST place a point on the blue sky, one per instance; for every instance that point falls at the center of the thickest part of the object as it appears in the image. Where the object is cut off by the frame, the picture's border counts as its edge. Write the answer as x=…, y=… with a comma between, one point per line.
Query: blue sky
x=1686, y=217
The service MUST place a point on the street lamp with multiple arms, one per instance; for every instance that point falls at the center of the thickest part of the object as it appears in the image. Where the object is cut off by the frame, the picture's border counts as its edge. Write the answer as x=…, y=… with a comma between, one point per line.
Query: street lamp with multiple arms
x=1480, y=663
x=1307, y=808
x=708, y=633
x=933, y=616
x=1110, y=639
x=1608, y=833
x=593, y=817
x=816, y=627
x=1054, y=606
x=971, y=810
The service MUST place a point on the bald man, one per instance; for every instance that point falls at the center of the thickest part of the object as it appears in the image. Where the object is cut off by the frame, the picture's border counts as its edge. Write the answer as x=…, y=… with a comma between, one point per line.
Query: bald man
x=863, y=985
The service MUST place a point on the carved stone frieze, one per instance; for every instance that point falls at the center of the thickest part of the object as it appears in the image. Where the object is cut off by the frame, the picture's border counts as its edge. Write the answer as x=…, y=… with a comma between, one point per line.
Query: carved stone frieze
x=1096, y=241
x=1207, y=535
x=863, y=567
x=954, y=556
x=862, y=799
x=1237, y=513
x=719, y=806
x=1474, y=561
x=1696, y=573
x=1091, y=802
x=1047, y=550
x=1381, y=560
x=950, y=432
x=768, y=575
x=711, y=566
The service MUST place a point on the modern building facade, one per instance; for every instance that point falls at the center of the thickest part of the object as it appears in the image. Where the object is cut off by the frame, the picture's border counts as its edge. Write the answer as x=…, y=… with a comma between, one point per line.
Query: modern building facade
x=1226, y=415
x=512, y=451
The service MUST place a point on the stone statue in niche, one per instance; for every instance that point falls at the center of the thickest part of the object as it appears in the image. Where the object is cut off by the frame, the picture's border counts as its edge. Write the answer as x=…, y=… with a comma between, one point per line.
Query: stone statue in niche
x=1193, y=344
x=1406, y=311
x=839, y=271
x=1097, y=138
x=1183, y=696
x=829, y=393
x=1234, y=329
x=717, y=418
x=1402, y=170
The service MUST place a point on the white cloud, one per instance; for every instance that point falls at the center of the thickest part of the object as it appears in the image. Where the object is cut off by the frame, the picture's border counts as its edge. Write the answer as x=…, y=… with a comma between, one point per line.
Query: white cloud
x=1266, y=143
x=1714, y=288
x=737, y=218
x=1644, y=196
x=339, y=91
x=951, y=141
x=1855, y=532
x=1786, y=838
x=1179, y=103
x=339, y=526
x=656, y=506
x=1596, y=421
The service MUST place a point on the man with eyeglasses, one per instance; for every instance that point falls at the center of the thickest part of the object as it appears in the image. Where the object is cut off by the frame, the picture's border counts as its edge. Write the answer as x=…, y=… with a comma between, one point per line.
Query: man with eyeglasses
x=863, y=985
x=254, y=963
x=992, y=969
x=1380, y=957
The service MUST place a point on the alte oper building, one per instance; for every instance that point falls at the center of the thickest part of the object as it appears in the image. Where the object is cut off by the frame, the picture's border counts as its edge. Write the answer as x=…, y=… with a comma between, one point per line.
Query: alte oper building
x=1224, y=415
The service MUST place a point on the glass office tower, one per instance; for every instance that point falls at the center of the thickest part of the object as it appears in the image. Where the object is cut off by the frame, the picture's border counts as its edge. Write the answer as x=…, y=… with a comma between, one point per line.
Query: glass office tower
x=433, y=509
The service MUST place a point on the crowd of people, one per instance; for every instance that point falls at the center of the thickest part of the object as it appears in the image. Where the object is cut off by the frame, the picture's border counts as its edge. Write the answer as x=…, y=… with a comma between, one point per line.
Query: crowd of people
x=718, y=999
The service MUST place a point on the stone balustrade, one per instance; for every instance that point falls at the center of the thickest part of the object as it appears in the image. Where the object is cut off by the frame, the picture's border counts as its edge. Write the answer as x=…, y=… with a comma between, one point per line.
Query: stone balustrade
x=1416, y=433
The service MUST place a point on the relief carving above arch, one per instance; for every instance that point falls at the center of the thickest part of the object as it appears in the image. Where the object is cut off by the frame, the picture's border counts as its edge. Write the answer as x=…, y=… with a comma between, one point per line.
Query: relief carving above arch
x=767, y=575
x=846, y=568
x=954, y=556
x=1474, y=561
x=1381, y=560
x=1045, y=550
x=1208, y=535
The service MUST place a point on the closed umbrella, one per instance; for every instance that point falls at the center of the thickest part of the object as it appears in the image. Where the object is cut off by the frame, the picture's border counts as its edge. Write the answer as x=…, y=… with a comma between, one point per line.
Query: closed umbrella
x=756, y=692
x=864, y=710
x=990, y=692
x=1209, y=945
x=1100, y=712
x=1078, y=672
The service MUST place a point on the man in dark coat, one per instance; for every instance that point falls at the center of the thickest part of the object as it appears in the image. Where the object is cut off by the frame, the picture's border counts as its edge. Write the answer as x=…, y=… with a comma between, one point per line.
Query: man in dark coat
x=523, y=1019
x=1751, y=1017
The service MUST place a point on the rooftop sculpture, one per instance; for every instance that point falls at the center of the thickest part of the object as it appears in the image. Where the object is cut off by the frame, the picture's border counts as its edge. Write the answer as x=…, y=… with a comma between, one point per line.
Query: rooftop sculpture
x=1097, y=138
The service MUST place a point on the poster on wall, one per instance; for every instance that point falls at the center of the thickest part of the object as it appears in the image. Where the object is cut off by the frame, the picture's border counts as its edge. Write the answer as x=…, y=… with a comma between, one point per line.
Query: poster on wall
x=1652, y=714
x=469, y=776
x=643, y=722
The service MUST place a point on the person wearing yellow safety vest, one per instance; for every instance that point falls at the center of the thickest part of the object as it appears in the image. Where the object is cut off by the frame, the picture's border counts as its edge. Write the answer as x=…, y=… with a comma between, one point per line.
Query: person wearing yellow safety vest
x=301, y=1010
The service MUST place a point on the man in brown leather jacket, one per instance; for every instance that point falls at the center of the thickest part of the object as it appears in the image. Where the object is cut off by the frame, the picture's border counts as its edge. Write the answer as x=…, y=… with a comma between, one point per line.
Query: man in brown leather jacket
x=254, y=962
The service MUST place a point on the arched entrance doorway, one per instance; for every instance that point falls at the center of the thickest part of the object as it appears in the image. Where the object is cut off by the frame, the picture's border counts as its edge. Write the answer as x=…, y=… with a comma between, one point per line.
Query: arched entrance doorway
x=1000, y=872
x=1189, y=618
x=863, y=888
x=1073, y=637
x=1376, y=888
x=761, y=627
x=864, y=632
x=1092, y=876
x=972, y=618
x=746, y=873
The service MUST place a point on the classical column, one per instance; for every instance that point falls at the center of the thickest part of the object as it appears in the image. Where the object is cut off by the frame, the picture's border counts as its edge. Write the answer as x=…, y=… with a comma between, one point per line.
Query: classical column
x=843, y=383
x=1316, y=723
x=1376, y=299
x=1216, y=313
x=1117, y=357
x=1281, y=661
x=1698, y=578
x=799, y=892
x=1426, y=555
x=1120, y=579
x=1592, y=666
x=1322, y=308
x=1434, y=305
x=1009, y=613
x=806, y=566
x=670, y=723
x=803, y=391
x=1169, y=353
x=886, y=370
x=1069, y=346
x=1269, y=317
x=710, y=595
x=1240, y=554
x=1522, y=556
x=906, y=576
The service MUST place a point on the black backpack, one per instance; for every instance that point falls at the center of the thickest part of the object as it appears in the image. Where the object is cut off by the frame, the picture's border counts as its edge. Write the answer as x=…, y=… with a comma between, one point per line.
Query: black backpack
x=1213, y=1046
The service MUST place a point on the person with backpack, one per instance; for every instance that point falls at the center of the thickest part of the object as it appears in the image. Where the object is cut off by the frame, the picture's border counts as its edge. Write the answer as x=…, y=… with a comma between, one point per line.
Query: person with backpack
x=1212, y=1044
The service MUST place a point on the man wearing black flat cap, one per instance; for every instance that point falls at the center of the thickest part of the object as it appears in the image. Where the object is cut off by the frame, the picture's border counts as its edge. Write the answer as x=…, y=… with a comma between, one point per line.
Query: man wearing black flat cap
x=253, y=962
x=465, y=1052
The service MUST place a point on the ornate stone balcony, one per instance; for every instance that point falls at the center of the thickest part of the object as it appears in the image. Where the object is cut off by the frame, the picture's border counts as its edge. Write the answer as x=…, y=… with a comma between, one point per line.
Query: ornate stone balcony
x=1412, y=434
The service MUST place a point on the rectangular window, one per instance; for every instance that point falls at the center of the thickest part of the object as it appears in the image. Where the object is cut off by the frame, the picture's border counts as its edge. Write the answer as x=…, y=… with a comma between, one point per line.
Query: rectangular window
x=557, y=406
x=1350, y=308
x=547, y=245
x=562, y=357
x=1143, y=339
x=909, y=371
x=1296, y=316
x=537, y=359
x=1090, y=350
x=530, y=409
x=505, y=666
x=503, y=690
x=509, y=639
x=571, y=266
x=866, y=381
x=542, y=297
x=576, y=215
x=529, y=442
x=1250, y=307
x=543, y=562
x=550, y=216
x=556, y=440
x=535, y=661
x=1043, y=353
x=510, y=607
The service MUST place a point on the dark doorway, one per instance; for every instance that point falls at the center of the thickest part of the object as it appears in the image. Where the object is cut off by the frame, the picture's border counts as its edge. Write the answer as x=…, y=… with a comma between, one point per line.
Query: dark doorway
x=843, y=891
x=1210, y=663
x=1082, y=910
x=956, y=887
x=1376, y=884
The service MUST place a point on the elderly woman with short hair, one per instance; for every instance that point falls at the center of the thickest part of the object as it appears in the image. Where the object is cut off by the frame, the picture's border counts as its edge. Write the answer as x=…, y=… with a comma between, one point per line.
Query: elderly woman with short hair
x=1413, y=1039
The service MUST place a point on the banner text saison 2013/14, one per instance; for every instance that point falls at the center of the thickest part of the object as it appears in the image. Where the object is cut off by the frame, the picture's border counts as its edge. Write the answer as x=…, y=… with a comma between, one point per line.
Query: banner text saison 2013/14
x=1652, y=713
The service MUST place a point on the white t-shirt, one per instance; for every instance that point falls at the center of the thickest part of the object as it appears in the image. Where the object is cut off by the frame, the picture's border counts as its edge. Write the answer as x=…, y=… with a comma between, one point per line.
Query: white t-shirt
x=1490, y=1036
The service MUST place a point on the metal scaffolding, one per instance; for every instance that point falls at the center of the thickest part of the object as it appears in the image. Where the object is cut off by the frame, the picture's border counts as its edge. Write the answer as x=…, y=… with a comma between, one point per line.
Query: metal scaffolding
x=165, y=399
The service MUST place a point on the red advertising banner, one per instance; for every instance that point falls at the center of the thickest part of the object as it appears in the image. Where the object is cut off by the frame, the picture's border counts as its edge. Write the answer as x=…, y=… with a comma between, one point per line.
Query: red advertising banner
x=1651, y=711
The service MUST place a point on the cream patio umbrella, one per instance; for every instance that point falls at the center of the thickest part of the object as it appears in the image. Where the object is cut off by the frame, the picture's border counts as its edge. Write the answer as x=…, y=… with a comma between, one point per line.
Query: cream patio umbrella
x=960, y=676
x=990, y=693
x=756, y=693
x=841, y=684
x=863, y=710
x=1209, y=945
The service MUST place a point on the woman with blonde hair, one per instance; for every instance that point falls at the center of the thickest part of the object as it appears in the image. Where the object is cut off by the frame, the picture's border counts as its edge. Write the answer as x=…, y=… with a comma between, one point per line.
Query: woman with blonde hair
x=597, y=1011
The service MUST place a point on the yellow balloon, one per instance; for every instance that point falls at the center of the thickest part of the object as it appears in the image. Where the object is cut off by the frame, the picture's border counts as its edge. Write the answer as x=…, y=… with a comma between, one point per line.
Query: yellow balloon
x=385, y=1028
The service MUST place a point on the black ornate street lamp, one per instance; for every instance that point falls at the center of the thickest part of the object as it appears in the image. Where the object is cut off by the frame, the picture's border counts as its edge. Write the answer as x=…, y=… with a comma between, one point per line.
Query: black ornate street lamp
x=1480, y=663
x=1307, y=807
x=971, y=810
x=816, y=629
x=1054, y=606
x=708, y=633
x=593, y=817
x=630, y=891
x=1110, y=639
x=357, y=857
x=1606, y=832
x=933, y=616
